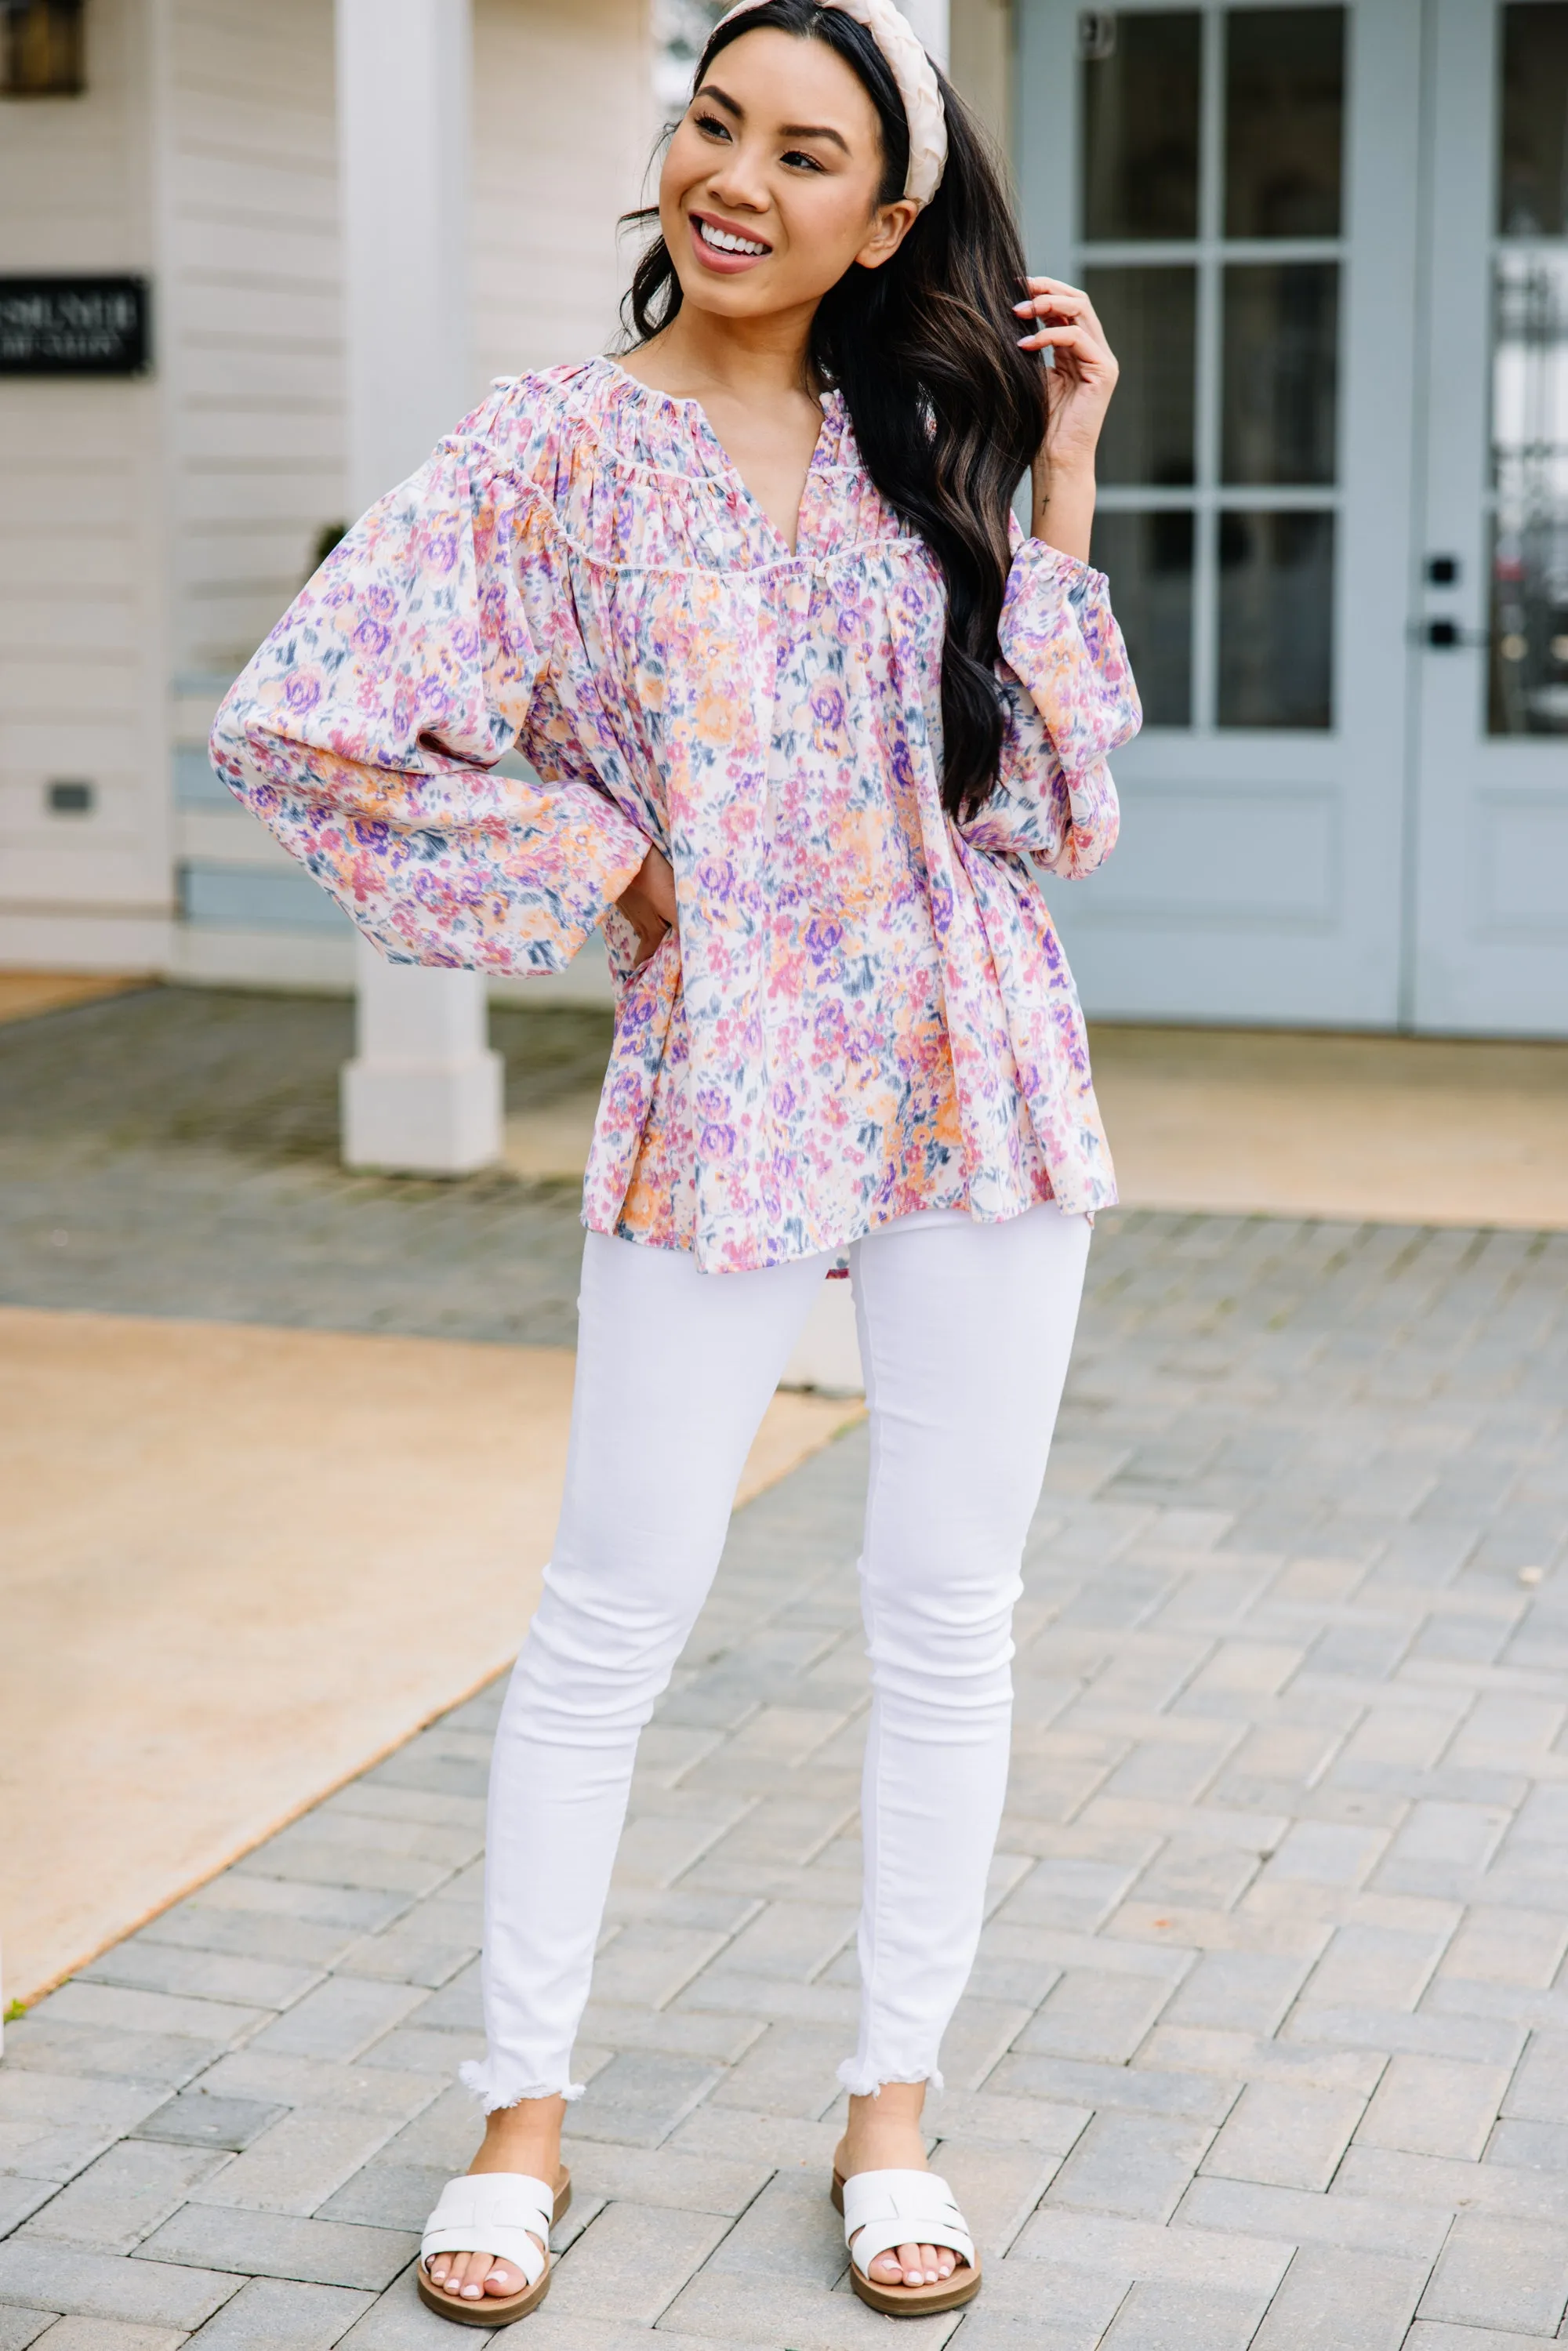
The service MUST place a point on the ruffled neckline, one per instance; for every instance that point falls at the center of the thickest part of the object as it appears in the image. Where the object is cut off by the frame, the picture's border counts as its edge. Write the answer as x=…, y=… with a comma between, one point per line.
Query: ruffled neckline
x=677, y=424
x=676, y=429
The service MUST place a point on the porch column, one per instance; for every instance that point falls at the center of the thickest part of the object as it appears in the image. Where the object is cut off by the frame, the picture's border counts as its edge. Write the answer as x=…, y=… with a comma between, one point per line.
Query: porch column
x=422, y=1095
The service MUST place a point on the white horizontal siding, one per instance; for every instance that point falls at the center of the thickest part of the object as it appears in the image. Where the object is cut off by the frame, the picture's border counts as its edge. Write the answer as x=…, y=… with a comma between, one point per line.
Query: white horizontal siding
x=563, y=129
x=153, y=532
x=81, y=493
x=73, y=171
x=117, y=871
x=71, y=629
x=81, y=539
x=34, y=688
x=257, y=420
x=320, y=961
x=229, y=835
x=76, y=937
x=257, y=412
x=292, y=370
x=275, y=323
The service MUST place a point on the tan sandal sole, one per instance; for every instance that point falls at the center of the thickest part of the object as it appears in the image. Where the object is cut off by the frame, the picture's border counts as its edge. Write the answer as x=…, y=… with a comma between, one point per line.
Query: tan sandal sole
x=909, y=2300
x=498, y=2309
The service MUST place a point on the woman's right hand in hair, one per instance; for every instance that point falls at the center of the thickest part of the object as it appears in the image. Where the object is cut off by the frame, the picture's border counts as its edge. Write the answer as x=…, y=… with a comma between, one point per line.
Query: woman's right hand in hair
x=1083, y=376
x=649, y=906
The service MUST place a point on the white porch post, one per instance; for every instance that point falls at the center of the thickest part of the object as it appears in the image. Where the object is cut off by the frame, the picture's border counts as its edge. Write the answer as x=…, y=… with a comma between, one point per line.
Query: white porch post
x=423, y=1095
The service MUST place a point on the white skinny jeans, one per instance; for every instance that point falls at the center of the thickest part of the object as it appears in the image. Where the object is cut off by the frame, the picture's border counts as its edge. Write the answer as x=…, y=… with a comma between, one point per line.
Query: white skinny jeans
x=965, y=1334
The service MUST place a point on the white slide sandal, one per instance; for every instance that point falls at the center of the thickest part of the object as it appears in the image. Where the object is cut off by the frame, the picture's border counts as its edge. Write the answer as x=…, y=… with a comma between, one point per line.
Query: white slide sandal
x=500, y=2213
x=884, y=2210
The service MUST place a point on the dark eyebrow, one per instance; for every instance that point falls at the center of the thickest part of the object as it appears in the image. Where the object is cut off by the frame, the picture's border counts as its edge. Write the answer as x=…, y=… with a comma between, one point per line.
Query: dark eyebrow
x=786, y=129
x=813, y=130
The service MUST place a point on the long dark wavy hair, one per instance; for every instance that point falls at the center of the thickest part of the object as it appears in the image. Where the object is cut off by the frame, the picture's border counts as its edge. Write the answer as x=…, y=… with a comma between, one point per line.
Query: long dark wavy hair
x=947, y=410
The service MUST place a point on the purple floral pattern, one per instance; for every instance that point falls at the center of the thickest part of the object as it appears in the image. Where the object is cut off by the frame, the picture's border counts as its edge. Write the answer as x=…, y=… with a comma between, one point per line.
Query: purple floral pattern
x=867, y=1010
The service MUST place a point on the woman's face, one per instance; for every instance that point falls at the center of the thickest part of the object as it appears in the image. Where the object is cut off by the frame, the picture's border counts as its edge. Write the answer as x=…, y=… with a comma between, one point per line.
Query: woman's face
x=769, y=192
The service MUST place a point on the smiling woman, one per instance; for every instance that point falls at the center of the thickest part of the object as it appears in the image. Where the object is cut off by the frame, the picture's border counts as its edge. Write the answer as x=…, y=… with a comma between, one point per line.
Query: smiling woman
x=816, y=213
x=806, y=719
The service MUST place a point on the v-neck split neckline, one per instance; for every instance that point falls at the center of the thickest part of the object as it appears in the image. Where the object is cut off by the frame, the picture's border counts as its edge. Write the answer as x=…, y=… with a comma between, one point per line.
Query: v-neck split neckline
x=723, y=466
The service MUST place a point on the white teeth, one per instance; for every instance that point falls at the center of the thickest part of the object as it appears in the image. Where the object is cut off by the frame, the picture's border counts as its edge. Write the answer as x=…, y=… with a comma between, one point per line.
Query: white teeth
x=725, y=242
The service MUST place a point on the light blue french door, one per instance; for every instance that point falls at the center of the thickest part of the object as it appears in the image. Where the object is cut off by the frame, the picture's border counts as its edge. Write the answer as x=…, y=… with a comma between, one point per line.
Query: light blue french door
x=1238, y=187
x=1490, y=948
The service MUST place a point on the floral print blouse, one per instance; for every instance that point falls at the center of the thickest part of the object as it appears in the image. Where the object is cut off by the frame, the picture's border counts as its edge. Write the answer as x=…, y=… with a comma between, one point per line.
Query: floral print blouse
x=866, y=1010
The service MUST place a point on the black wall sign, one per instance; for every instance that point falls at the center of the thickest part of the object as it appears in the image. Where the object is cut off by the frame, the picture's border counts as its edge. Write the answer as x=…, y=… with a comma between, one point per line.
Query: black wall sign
x=74, y=326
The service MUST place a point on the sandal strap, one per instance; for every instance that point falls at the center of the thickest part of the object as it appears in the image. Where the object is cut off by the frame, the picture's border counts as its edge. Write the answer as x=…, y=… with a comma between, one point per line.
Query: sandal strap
x=496, y=2212
x=884, y=2210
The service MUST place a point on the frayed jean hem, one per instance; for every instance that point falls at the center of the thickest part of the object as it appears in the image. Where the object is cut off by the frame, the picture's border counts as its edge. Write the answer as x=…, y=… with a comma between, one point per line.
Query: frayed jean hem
x=864, y=2081
x=494, y=2092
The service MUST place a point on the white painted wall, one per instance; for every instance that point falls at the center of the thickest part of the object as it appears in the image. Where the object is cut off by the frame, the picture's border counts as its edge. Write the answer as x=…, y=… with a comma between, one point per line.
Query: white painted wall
x=151, y=533
x=254, y=361
x=82, y=526
x=561, y=102
x=564, y=126
x=547, y=277
x=255, y=396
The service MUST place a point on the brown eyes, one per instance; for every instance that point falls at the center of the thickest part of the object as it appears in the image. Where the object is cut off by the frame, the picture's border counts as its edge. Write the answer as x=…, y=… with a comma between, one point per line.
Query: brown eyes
x=711, y=125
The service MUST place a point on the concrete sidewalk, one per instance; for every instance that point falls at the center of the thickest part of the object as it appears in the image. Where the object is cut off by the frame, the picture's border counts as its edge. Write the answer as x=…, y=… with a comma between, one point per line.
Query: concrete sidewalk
x=237, y=1565
x=1265, y=2045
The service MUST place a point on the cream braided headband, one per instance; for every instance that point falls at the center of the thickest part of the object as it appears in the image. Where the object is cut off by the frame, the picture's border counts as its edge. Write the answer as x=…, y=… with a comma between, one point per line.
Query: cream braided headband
x=912, y=71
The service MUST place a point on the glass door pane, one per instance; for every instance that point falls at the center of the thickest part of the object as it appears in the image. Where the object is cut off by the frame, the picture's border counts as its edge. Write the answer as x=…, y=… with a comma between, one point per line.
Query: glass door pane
x=1490, y=949
x=1210, y=201
x=1151, y=316
x=1276, y=619
x=1140, y=115
x=1528, y=680
x=1236, y=184
x=1284, y=122
x=1148, y=556
x=1279, y=400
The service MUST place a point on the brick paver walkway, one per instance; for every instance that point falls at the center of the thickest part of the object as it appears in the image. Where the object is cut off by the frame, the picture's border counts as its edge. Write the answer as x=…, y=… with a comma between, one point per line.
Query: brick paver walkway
x=1263, y=2047
x=175, y=1152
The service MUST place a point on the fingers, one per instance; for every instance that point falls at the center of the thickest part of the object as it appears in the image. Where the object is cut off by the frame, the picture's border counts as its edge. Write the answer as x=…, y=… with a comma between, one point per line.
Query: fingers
x=651, y=938
x=1062, y=304
x=657, y=884
x=1049, y=297
x=1078, y=344
x=1052, y=294
x=664, y=896
x=649, y=906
